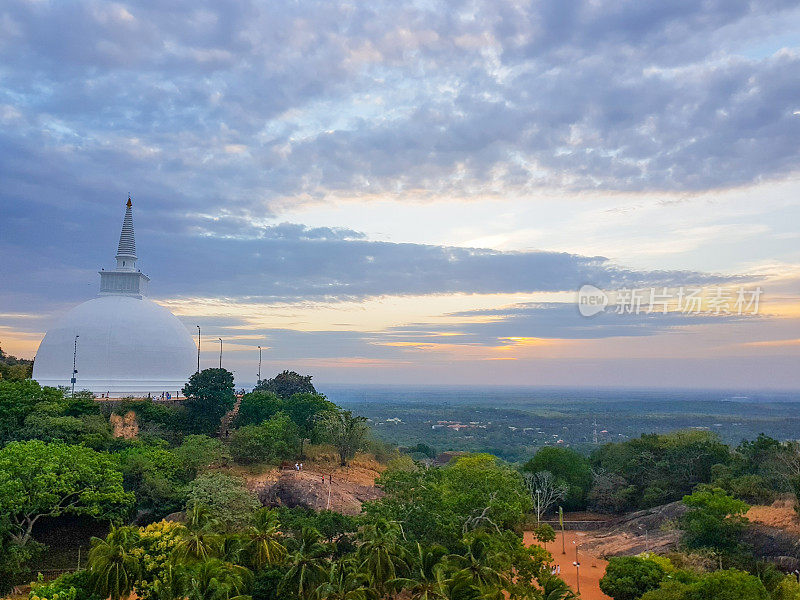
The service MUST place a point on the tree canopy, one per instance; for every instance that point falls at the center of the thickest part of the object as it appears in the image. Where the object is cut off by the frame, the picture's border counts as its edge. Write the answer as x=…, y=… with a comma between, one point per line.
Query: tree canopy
x=659, y=468
x=439, y=505
x=209, y=396
x=568, y=468
x=13, y=368
x=39, y=479
x=629, y=577
x=286, y=384
x=345, y=431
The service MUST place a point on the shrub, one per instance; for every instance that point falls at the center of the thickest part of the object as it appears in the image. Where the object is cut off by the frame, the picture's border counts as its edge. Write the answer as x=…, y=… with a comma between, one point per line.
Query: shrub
x=629, y=577
x=198, y=452
x=70, y=586
x=226, y=498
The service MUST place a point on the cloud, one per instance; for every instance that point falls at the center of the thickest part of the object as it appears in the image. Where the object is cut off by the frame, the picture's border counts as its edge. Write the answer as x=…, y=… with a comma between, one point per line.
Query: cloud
x=558, y=320
x=250, y=104
x=286, y=262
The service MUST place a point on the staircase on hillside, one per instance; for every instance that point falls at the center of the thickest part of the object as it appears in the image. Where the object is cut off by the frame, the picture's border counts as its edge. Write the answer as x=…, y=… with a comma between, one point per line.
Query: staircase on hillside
x=227, y=420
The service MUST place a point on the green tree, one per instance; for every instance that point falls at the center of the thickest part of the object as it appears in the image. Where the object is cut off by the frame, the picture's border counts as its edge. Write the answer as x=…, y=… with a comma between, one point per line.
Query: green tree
x=656, y=469
x=345, y=583
x=544, y=533
x=476, y=564
x=14, y=559
x=380, y=555
x=49, y=423
x=155, y=475
x=486, y=492
x=554, y=588
x=305, y=410
x=720, y=585
x=17, y=401
x=568, y=468
x=76, y=585
x=345, y=431
x=426, y=578
x=226, y=497
x=263, y=547
x=209, y=396
x=114, y=564
x=13, y=368
x=629, y=577
x=715, y=520
x=307, y=566
x=474, y=492
x=38, y=480
x=199, y=540
x=199, y=452
x=258, y=406
x=273, y=440
x=333, y=525
x=286, y=384
x=215, y=579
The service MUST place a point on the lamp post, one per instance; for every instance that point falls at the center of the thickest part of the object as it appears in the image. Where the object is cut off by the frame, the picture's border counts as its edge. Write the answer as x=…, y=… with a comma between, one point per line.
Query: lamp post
x=577, y=570
x=198, y=348
x=74, y=364
x=259, y=365
x=220, y=352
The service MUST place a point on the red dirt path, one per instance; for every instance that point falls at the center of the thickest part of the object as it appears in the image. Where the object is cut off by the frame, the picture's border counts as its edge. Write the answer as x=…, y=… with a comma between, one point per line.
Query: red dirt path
x=591, y=569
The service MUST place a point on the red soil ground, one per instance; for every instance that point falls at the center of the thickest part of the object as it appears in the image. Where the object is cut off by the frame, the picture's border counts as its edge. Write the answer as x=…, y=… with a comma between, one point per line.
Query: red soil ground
x=592, y=568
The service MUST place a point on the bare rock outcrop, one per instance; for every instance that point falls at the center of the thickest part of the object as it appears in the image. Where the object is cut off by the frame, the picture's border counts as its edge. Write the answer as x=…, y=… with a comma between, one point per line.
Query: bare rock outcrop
x=124, y=426
x=640, y=531
x=318, y=491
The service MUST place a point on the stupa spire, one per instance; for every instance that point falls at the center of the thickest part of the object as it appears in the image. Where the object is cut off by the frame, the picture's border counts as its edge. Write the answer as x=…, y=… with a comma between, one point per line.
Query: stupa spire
x=126, y=279
x=126, y=251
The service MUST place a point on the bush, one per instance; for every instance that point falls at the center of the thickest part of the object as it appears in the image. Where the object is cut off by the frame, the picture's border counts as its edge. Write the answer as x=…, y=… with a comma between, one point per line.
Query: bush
x=274, y=440
x=752, y=488
x=70, y=586
x=198, y=452
x=226, y=498
x=382, y=451
x=14, y=560
x=629, y=577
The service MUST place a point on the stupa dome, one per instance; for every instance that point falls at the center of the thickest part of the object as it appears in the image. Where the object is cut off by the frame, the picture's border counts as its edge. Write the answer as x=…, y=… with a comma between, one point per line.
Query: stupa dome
x=126, y=344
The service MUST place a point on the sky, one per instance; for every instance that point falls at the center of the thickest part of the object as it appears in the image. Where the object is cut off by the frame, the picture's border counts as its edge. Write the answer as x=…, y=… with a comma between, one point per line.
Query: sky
x=414, y=192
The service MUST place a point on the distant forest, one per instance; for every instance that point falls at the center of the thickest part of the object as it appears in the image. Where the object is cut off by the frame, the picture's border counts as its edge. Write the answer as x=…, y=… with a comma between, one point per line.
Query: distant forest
x=13, y=368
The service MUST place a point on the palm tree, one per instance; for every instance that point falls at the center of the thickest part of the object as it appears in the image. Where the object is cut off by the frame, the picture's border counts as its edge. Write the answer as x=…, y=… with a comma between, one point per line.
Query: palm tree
x=381, y=555
x=427, y=578
x=554, y=588
x=345, y=582
x=169, y=585
x=214, y=579
x=198, y=516
x=307, y=565
x=114, y=566
x=198, y=539
x=460, y=587
x=262, y=545
x=476, y=564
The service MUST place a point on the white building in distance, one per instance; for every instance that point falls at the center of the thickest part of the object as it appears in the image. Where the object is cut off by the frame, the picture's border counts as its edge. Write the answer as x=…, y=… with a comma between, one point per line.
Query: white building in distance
x=127, y=345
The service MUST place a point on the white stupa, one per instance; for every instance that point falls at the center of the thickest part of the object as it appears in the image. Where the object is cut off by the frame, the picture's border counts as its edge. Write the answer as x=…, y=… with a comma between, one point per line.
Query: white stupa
x=127, y=345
